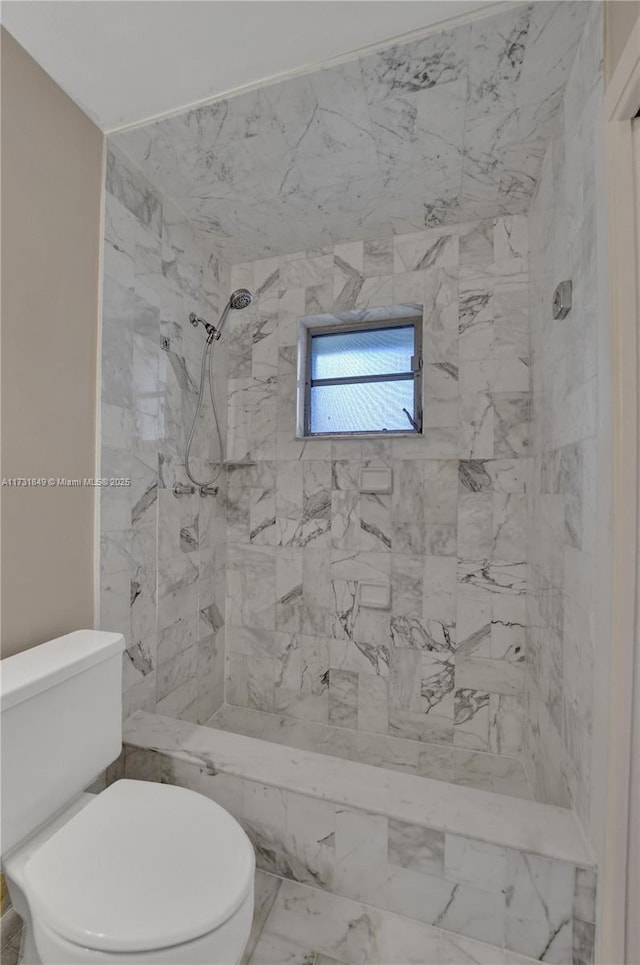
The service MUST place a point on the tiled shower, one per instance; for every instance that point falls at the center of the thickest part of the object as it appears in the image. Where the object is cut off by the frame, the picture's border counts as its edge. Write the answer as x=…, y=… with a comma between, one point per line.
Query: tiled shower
x=458, y=176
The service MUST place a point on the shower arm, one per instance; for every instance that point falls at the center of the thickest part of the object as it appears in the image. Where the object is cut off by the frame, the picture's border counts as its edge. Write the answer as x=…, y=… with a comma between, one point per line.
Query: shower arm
x=211, y=330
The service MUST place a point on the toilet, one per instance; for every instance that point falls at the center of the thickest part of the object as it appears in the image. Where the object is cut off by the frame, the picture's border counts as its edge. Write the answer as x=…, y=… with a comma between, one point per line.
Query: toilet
x=139, y=873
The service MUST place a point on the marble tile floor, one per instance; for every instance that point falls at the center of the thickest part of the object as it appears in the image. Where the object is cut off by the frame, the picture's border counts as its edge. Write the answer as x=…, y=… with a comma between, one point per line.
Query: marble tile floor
x=10, y=937
x=296, y=924
x=490, y=772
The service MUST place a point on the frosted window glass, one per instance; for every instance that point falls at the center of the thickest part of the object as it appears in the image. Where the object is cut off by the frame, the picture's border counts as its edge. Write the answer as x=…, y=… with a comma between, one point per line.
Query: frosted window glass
x=362, y=407
x=378, y=351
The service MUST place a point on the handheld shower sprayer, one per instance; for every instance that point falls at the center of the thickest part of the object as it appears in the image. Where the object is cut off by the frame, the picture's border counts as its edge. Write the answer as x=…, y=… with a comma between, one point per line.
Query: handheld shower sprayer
x=239, y=299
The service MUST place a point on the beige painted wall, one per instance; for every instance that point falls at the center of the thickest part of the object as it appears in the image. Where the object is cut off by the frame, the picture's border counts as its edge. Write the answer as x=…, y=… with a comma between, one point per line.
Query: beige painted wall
x=620, y=16
x=52, y=161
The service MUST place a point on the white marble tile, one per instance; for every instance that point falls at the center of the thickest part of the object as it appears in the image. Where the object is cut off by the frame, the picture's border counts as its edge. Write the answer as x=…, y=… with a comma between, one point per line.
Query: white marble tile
x=471, y=718
x=475, y=913
x=562, y=408
x=474, y=863
x=495, y=818
x=266, y=888
x=536, y=926
x=281, y=153
x=361, y=856
x=275, y=950
x=467, y=951
x=347, y=931
x=417, y=848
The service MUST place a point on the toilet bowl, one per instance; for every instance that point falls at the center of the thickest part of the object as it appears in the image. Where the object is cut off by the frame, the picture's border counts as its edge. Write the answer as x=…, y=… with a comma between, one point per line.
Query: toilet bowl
x=140, y=873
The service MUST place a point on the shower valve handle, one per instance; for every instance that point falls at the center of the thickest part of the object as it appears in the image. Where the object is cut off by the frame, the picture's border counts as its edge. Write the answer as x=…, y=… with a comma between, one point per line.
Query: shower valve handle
x=208, y=491
x=181, y=490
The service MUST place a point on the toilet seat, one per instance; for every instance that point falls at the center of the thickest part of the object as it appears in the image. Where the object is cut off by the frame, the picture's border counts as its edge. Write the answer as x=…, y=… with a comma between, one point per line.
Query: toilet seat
x=144, y=866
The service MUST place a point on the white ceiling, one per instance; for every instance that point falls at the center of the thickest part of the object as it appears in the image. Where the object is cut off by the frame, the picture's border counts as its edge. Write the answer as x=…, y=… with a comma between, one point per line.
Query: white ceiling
x=126, y=62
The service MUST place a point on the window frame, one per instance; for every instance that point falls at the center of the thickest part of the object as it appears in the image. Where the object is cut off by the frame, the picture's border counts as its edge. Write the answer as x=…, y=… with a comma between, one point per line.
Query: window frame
x=411, y=321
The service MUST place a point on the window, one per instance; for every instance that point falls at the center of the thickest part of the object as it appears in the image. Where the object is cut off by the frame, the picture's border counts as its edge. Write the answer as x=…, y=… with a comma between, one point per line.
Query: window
x=363, y=378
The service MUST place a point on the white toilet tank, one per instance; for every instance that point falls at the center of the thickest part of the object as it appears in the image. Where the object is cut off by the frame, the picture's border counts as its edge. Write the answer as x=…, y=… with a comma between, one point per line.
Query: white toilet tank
x=61, y=726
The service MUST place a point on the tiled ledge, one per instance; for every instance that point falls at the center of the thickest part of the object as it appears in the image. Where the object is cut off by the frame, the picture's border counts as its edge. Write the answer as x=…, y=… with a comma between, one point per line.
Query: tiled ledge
x=539, y=829
x=441, y=762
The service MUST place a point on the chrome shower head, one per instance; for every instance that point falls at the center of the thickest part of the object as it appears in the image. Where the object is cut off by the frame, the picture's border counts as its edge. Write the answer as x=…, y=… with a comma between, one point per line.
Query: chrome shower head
x=241, y=298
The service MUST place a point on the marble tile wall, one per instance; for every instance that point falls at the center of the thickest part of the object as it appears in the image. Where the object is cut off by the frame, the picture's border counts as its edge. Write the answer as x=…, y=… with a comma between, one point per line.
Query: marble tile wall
x=443, y=762
x=162, y=559
x=443, y=128
x=531, y=905
x=445, y=663
x=568, y=381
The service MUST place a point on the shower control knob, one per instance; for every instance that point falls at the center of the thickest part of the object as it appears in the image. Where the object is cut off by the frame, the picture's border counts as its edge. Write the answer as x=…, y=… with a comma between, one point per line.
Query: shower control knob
x=208, y=491
x=181, y=490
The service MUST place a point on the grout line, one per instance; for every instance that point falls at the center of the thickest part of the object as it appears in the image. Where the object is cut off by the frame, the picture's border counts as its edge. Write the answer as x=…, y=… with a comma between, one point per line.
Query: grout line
x=264, y=923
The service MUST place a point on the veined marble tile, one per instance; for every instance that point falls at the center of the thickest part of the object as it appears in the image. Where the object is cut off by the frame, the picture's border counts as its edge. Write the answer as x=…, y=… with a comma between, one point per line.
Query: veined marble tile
x=441, y=313
x=266, y=888
x=403, y=68
x=176, y=671
x=119, y=253
x=476, y=242
x=441, y=382
x=134, y=192
x=373, y=704
x=474, y=769
x=378, y=257
x=300, y=836
x=511, y=432
x=477, y=413
x=375, y=522
x=473, y=863
x=361, y=855
x=506, y=719
x=343, y=698
x=496, y=676
x=346, y=930
x=177, y=638
x=289, y=590
x=345, y=519
x=274, y=950
x=534, y=927
x=475, y=521
x=494, y=818
x=471, y=717
x=416, y=848
x=181, y=702
x=466, y=951
x=430, y=249
x=281, y=153
x=498, y=45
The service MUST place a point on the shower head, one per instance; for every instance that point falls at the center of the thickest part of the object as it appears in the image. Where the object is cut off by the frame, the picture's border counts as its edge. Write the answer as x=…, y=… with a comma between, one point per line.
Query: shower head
x=241, y=298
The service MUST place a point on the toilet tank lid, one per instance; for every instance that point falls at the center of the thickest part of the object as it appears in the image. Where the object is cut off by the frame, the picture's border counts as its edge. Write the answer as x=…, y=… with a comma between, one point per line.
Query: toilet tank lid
x=26, y=674
x=144, y=866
